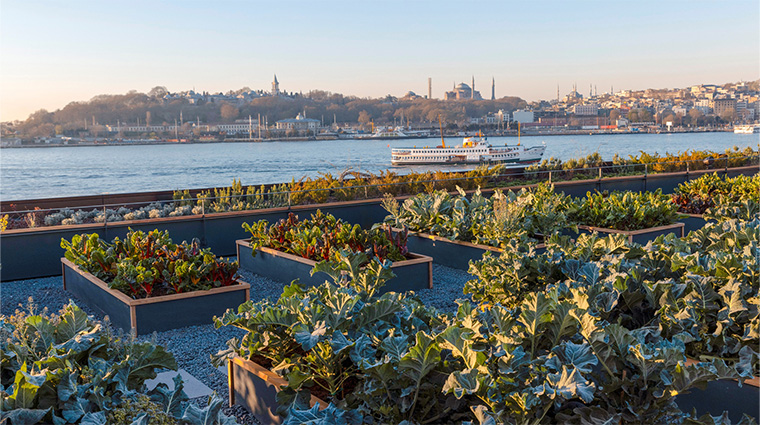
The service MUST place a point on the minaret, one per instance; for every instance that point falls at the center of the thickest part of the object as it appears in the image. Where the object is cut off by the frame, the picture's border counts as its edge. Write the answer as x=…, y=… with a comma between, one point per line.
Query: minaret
x=275, y=86
x=472, y=94
x=493, y=88
x=430, y=88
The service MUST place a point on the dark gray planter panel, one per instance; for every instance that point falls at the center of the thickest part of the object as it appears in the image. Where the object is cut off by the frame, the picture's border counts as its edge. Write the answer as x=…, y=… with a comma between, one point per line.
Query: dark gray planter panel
x=413, y=277
x=97, y=299
x=748, y=172
x=668, y=183
x=720, y=396
x=444, y=253
x=222, y=231
x=255, y=394
x=577, y=190
x=365, y=215
x=622, y=185
x=277, y=268
x=31, y=255
x=174, y=314
x=694, y=223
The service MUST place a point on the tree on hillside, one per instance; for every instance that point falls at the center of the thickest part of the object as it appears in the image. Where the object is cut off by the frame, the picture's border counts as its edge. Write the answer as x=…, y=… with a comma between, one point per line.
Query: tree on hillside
x=695, y=116
x=229, y=112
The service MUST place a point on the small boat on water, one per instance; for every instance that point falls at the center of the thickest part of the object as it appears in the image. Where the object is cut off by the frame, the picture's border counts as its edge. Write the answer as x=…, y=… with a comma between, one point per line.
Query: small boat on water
x=473, y=150
x=747, y=129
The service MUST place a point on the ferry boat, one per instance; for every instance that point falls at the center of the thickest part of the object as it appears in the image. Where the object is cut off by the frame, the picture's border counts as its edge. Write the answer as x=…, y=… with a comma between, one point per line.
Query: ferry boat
x=394, y=133
x=747, y=129
x=473, y=150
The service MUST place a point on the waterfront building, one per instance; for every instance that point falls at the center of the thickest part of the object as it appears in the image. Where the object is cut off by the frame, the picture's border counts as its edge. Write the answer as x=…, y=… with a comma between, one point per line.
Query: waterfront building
x=721, y=106
x=236, y=128
x=588, y=109
x=300, y=122
x=523, y=116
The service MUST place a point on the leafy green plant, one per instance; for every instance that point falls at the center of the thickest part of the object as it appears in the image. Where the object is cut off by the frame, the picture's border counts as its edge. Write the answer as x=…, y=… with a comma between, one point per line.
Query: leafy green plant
x=66, y=368
x=558, y=356
x=624, y=210
x=711, y=191
x=344, y=343
x=323, y=236
x=701, y=289
x=491, y=221
x=150, y=264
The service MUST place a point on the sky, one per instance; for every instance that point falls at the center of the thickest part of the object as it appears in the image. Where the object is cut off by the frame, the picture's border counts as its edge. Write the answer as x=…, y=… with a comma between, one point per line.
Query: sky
x=56, y=52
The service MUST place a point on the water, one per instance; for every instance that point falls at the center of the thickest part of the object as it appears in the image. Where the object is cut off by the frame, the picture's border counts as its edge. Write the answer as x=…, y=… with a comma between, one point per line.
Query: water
x=71, y=171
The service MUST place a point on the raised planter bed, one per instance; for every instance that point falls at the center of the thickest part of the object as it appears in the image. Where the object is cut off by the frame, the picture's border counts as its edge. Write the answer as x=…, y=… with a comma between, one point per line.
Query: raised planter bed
x=255, y=388
x=455, y=254
x=413, y=274
x=154, y=314
x=642, y=236
x=694, y=222
x=723, y=395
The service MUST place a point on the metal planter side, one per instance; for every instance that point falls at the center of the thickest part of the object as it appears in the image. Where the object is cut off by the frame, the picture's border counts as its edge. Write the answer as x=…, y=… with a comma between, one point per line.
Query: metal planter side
x=255, y=388
x=723, y=395
x=155, y=314
x=694, y=222
x=449, y=253
x=411, y=275
x=642, y=236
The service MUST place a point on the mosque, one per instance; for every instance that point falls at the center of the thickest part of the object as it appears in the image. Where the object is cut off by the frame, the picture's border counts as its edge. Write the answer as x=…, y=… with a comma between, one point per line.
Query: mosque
x=462, y=91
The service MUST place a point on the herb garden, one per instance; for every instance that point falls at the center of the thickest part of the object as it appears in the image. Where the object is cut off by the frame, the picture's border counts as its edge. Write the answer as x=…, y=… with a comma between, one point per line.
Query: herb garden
x=564, y=318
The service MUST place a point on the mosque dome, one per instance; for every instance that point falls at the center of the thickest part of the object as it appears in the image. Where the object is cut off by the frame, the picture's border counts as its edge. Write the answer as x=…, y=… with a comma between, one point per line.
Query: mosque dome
x=462, y=86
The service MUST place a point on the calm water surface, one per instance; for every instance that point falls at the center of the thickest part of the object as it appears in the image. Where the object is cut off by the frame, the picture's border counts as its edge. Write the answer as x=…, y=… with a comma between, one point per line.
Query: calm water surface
x=69, y=171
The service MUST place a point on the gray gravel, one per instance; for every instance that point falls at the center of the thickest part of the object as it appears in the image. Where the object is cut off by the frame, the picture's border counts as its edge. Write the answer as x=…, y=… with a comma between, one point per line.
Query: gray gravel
x=193, y=346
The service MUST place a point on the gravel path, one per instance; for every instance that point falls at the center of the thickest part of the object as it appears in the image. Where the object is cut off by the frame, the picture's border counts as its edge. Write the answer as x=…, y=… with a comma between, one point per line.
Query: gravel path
x=192, y=346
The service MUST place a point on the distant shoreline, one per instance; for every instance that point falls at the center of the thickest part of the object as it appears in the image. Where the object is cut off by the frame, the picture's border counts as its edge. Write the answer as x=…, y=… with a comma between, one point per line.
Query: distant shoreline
x=511, y=133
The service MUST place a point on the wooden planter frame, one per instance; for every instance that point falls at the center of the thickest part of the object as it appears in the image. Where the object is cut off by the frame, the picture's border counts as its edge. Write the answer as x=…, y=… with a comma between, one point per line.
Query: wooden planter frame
x=302, y=266
x=255, y=388
x=641, y=236
x=147, y=315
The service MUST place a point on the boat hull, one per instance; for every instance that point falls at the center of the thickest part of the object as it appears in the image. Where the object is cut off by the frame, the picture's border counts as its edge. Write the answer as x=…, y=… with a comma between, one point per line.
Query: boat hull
x=506, y=161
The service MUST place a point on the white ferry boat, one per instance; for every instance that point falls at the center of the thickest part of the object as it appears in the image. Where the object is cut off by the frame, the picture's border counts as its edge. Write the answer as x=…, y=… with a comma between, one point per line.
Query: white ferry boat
x=474, y=150
x=394, y=133
x=747, y=129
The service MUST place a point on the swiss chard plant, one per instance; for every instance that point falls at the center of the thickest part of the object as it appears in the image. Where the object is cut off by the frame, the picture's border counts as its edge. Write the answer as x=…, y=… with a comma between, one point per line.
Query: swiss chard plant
x=149, y=264
x=624, y=210
x=323, y=236
x=711, y=191
x=66, y=368
x=495, y=221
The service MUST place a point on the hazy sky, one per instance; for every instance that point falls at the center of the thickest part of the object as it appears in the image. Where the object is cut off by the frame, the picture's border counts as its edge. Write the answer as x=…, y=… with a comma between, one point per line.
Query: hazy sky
x=55, y=52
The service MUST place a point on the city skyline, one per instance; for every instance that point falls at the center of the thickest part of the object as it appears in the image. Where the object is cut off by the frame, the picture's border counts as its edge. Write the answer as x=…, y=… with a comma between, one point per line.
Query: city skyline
x=55, y=53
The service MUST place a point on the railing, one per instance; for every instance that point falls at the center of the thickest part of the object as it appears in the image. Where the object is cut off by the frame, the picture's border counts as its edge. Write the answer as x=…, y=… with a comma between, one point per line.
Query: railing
x=105, y=213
